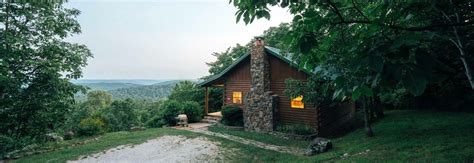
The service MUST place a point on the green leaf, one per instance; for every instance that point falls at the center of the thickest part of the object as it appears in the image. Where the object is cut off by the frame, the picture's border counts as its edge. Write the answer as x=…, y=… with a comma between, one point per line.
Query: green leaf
x=414, y=82
x=409, y=39
x=391, y=74
x=408, y=17
x=425, y=62
x=376, y=63
x=307, y=43
x=361, y=91
x=246, y=17
x=337, y=94
x=239, y=14
x=297, y=18
x=339, y=81
x=284, y=3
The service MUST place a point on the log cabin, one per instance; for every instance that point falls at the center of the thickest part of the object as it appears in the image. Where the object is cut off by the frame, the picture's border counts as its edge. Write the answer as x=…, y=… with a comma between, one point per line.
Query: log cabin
x=255, y=82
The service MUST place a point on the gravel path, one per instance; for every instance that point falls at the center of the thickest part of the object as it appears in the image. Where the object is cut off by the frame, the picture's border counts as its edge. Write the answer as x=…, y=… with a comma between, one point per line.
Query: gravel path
x=163, y=149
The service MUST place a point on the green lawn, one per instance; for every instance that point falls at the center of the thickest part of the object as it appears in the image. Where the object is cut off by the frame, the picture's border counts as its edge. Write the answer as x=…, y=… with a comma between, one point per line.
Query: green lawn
x=401, y=136
x=270, y=139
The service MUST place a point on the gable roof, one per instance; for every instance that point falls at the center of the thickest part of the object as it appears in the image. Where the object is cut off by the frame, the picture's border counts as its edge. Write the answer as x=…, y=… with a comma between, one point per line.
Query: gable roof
x=269, y=50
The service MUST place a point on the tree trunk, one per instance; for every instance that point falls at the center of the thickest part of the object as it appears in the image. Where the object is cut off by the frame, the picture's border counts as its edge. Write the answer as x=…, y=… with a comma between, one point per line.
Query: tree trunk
x=378, y=108
x=368, y=128
x=468, y=66
x=466, y=60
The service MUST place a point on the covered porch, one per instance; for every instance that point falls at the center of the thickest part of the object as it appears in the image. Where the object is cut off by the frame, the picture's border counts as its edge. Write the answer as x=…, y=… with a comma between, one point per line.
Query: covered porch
x=207, y=85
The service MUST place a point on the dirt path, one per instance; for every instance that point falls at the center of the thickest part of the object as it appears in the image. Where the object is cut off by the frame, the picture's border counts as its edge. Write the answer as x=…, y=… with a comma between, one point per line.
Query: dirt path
x=163, y=149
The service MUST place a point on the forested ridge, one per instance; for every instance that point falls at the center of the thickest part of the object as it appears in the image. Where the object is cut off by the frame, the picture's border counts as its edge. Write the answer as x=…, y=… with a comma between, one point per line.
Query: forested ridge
x=122, y=91
x=109, y=86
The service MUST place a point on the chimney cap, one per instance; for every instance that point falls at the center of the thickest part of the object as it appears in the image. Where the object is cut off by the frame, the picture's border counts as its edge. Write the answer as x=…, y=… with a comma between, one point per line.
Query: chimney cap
x=259, y=41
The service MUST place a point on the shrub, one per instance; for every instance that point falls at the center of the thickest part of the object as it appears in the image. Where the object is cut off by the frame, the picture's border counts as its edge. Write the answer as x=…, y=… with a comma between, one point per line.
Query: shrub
x=232, y=116
x=120, y=115
x=6, y=144
x=91, y=126
x=192, y=110
x=169, y=111
x=154, y=122
x=298, y=129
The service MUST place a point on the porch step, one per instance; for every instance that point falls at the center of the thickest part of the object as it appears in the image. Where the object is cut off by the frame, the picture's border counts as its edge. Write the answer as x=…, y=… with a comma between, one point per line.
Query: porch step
x=211, y=119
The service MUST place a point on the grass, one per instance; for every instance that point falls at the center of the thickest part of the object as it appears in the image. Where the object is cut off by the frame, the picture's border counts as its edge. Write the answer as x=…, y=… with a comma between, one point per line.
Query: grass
x=406, y=135
x=415, y=136
x=269, y=139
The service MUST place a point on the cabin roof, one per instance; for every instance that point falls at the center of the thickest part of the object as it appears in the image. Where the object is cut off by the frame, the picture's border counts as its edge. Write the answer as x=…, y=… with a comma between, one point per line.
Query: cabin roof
x=269, y=50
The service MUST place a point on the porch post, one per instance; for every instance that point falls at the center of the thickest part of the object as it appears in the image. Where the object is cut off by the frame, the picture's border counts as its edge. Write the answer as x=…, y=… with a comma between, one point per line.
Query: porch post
x=206, y=101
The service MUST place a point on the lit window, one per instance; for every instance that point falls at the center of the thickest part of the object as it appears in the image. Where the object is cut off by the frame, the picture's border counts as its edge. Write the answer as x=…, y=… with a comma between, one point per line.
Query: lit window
x=297, y=102
x=237, y=97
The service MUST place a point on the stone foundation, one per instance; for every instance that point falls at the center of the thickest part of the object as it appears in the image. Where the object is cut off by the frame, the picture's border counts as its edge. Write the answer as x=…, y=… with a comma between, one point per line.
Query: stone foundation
x=260, y=113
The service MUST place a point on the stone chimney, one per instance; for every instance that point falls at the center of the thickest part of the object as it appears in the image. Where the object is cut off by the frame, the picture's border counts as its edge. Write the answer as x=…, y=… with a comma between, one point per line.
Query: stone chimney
x=260, y=110
x=259, y=67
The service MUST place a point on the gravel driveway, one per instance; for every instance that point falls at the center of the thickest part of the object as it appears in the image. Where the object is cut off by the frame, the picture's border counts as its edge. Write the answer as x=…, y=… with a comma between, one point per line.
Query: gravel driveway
x=162, y=149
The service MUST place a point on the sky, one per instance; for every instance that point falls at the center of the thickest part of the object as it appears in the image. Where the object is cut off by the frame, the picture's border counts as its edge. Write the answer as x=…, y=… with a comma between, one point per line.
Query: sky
x=160, y=39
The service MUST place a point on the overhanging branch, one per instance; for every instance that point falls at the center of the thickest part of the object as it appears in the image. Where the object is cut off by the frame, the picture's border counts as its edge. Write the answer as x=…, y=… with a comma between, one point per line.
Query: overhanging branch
x=421, y=28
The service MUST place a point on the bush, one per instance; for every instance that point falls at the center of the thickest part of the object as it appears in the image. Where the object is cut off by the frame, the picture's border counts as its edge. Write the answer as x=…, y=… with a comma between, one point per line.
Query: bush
x=192, y=110
x=6, y=144
x=232, y=116
x=169, y=111
x=298, y=129
x=154, y=122
x=120, y=115
x=91, y=126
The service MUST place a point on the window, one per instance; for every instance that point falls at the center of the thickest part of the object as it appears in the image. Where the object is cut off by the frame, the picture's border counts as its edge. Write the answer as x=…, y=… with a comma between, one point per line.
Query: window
x=237, y=97
x=297, y=102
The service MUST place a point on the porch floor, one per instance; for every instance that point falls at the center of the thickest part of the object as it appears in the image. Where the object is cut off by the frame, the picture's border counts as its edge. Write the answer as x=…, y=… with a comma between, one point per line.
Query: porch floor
x=215, y=114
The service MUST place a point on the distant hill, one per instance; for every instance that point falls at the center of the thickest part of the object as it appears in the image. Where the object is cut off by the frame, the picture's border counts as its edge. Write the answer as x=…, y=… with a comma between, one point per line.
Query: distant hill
x=122, y=89
x=132, y=81
x=109, y=86
x=168, y=82
x=147, y=92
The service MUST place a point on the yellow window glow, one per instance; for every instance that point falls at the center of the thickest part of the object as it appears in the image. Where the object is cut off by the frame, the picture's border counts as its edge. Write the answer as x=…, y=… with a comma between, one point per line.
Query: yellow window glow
x=297, y=102
x=237, y=97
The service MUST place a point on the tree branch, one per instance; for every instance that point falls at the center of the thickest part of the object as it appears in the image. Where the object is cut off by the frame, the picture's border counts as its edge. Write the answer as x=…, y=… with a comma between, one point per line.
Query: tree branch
x=359, y=11
x=421, y=28
x=336, y=10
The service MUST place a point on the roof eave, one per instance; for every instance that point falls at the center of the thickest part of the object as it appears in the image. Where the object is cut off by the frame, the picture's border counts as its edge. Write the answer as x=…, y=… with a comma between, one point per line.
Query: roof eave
x=218, y=76
x=235, y=63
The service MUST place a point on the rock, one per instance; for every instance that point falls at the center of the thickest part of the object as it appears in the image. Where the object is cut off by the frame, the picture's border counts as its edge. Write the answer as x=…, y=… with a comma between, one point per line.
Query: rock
x=134, y=129
x=318, y=145
x=54, y=137
x=68, y=135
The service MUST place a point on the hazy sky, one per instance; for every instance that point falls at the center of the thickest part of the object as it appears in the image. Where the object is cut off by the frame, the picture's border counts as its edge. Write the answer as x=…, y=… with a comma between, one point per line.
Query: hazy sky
x=160, y=39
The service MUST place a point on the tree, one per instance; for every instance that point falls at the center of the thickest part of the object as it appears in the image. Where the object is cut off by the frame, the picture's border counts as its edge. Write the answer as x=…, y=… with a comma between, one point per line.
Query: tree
x=225, y=59
x=370, y=48
x=187, y=91
x=99, y=99
x=36, y=65
x=121, y=115
x=276, y=36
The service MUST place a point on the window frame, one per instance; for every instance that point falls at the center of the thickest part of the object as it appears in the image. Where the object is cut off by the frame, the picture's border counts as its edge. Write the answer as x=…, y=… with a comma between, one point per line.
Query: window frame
x=238, y=99
x=294, y=100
